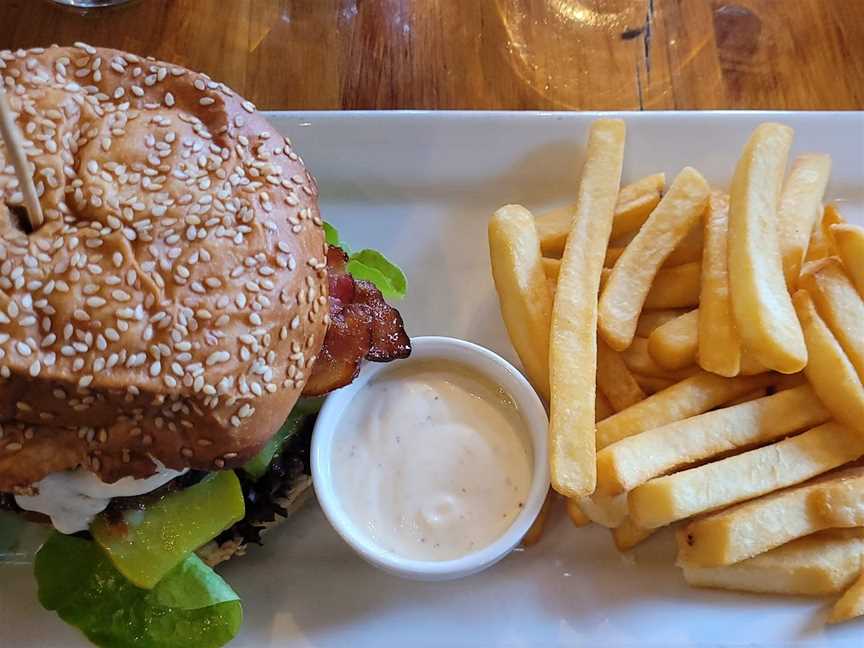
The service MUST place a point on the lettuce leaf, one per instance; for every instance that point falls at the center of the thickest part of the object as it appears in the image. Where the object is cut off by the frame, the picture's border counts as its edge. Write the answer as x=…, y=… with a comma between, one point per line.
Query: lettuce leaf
x=331, y=235
x=375, y=267
x=192, y=607
x=257, y=466
x=371, y=265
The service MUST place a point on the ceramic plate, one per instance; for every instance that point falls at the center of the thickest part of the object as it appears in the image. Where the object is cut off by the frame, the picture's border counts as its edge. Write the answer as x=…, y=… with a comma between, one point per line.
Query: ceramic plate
x=421, y=186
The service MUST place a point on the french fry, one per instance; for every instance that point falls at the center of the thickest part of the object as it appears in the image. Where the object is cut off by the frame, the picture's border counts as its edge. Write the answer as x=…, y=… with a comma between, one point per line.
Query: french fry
x=606, y=511
x=523, y=291
x=627, y=535
x=851, y=604
x=690, y=248
x=717, y=337
x=849, y=241
x=750, y=366
x=749, y=396
x=649, y=320
x=674, y=344
x=821, y=242
x=824, y=563
x=573, y=342
x=633, y=205
x=839, y=305
x=602, y=408
x=637, y=358
x=676, y=287
x=840, y=503
x=685, y=252
x=535, y=532
x=577, y=517
x=653, y=384
x=690, y=397
x=627, y=288
x=630, y=462
x=788, y=381
x=712, y=486
x=829, y=370
x=799, y=211
x=551, y=268
x=761, y=305
x=757, y=526
x=614, y=379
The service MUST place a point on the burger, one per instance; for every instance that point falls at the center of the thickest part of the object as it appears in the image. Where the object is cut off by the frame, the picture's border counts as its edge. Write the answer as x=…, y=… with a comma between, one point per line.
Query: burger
x=166, y=335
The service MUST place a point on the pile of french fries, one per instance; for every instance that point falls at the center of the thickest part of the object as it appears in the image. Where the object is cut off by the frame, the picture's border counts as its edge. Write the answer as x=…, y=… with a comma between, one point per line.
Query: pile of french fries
x=702, y=355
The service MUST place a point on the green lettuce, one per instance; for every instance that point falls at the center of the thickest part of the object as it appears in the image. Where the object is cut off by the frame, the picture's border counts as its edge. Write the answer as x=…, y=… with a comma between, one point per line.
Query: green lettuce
x=257, y=466
x=192, y=607
x=371, y=265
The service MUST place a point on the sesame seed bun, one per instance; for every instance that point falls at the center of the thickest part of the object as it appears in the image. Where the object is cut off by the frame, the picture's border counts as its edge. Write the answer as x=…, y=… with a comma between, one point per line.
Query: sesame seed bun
x=173, y=302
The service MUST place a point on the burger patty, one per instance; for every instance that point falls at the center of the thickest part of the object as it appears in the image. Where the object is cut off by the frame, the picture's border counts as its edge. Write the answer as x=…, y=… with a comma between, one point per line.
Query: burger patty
x=262, y=497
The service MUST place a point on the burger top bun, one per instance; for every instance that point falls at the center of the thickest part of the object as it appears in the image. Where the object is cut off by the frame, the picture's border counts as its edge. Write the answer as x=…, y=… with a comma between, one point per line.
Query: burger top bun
x=172, y=304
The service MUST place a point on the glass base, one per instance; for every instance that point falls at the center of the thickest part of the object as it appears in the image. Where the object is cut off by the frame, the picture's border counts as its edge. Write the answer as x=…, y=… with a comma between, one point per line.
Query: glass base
x=89, y=4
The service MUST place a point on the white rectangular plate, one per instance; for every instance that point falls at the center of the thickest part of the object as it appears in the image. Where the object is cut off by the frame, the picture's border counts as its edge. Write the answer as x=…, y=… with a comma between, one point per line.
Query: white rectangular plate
x=421, y=186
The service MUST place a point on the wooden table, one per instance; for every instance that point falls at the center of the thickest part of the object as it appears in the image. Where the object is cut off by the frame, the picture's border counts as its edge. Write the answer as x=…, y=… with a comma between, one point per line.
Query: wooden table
x=493, y=54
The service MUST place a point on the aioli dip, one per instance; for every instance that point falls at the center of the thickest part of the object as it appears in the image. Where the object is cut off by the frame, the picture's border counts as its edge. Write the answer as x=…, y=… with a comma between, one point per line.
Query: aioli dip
x=433, y=461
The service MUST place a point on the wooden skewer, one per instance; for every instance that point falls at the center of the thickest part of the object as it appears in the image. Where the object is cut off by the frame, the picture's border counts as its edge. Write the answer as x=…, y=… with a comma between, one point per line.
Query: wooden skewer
x=15, y=148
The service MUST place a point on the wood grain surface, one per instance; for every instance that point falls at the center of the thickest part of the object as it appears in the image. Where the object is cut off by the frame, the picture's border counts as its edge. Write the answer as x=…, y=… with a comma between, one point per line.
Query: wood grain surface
x=488, y=54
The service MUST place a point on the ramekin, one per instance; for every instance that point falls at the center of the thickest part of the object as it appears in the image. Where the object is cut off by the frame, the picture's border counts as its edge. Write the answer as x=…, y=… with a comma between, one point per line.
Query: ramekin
x=529, y=405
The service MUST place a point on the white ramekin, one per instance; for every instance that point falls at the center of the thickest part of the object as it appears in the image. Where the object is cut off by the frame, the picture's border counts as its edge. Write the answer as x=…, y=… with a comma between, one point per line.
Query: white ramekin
x=499, y=371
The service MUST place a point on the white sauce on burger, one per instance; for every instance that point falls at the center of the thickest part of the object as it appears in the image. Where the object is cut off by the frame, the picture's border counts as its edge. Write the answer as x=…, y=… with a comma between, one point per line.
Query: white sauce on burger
x=72, y=499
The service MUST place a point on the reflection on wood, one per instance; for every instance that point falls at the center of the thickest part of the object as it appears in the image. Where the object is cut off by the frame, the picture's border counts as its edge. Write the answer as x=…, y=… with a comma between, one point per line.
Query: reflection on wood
x=496, y=54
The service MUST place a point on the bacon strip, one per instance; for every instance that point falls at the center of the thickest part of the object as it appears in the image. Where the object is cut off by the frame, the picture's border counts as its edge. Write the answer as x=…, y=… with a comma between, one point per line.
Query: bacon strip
x=362, y=325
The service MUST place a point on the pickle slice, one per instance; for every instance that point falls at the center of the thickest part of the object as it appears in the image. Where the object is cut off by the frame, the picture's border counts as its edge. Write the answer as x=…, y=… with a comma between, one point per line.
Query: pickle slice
x=146, y=544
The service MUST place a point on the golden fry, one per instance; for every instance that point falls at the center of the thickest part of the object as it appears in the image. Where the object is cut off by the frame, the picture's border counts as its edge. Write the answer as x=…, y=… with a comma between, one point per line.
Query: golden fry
x=633, y=205
x=839, y=305
x=627, y=535
x=637, y=358
x=829, y=371
x=676, y=287
x=630, y=462
x=523, y=291
x=849, y=240
x=649, y=320
x=744, y=476
x=800, y=209
x=607, y=511
x=627, y=288
x=653, y=384
x=577, y=517
x=821, y=241
x=851, y=604
x=757, y=526
x=533, y=535
x=824, y=563
x=674, y=344
x=573, y=345
x=718, y=341
x=614, y=379
x=841, y=502
x=695, y=395
x=761, y=305
x=602, y=408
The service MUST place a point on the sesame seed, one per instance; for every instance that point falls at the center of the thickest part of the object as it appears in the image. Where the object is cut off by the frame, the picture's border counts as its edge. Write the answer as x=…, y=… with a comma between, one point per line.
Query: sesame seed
x=218, y=357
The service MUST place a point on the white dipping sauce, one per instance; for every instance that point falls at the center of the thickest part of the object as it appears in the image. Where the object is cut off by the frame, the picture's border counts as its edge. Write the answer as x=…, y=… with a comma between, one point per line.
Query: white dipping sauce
x=432, y=461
